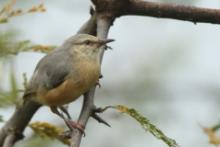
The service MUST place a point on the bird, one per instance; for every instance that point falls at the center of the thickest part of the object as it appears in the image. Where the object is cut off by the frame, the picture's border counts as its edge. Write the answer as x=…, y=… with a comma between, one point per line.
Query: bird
x=66, y=73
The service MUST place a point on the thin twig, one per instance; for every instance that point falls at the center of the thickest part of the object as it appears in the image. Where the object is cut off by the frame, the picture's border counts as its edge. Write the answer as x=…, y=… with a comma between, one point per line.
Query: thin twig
x=88, y=103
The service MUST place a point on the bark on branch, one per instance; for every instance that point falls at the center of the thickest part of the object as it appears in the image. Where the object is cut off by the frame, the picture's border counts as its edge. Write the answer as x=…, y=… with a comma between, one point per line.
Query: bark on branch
x=180, y=12
x=159, y=10
x=14, y=127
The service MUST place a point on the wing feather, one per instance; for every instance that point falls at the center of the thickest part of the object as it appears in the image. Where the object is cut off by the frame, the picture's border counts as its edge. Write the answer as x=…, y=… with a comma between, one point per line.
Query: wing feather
x=51, y=71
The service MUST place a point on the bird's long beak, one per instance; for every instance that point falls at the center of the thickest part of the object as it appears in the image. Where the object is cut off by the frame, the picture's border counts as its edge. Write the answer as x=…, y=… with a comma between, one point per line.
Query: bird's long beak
x=106, y=41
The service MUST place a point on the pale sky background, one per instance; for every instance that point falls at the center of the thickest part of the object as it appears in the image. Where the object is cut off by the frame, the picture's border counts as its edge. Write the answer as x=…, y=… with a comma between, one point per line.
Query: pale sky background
x=180, y=60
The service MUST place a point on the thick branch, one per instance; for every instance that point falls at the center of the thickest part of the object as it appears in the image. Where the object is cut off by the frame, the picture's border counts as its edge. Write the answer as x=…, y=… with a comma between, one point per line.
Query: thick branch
x=13, y=129
x=10, y=140
x=89, y=27
x=143, y=8
x=188, y=13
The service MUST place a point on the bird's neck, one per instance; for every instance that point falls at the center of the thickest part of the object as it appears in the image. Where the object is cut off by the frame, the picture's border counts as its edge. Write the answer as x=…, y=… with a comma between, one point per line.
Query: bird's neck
x=89, y=56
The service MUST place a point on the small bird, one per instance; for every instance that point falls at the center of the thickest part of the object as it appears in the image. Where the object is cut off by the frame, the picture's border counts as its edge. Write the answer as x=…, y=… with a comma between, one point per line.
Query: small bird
x=63, y=75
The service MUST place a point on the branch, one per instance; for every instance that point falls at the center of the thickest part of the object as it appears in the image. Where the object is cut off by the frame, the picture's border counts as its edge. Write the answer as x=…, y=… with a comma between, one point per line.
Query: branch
x=103, y=25
x=10, y=140
x=160, y=10
x=181, y=12
x=90, y=26
x=87, y=109
x=13, y=129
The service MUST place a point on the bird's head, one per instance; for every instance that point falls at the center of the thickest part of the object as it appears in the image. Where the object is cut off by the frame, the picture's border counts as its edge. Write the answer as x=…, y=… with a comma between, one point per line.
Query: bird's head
x=87, y=44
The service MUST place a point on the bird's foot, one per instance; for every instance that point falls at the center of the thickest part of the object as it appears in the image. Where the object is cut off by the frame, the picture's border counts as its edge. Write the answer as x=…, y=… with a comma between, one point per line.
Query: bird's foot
x=98, y=84
x=76, y=125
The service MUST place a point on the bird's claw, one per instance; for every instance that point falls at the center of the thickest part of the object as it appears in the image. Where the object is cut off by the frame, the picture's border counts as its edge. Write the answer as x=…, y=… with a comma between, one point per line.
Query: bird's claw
x=76, y=125
x=98, y=84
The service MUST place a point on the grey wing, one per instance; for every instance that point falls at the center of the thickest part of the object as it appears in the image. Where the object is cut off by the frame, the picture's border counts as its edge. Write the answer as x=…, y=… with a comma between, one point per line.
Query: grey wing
x=57, y=70
x=51, y=71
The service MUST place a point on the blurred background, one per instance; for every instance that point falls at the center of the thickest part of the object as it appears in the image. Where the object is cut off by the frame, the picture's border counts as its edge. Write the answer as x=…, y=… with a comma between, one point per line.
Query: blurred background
x=168, y=70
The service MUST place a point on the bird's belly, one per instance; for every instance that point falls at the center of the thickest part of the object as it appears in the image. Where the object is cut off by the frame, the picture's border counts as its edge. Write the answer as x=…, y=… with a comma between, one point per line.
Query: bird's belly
x=72, y=88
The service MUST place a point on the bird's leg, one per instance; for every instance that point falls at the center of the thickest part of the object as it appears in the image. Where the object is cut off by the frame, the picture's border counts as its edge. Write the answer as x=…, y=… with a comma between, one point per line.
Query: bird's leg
x=64, y=110
x=55, y=111
x=78, y=126
x=70, y=124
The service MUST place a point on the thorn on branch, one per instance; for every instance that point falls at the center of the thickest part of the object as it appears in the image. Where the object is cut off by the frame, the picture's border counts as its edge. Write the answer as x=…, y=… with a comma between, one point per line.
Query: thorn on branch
x=97, y=117
x=101, y=110
x=92, y=10
x=100, y=120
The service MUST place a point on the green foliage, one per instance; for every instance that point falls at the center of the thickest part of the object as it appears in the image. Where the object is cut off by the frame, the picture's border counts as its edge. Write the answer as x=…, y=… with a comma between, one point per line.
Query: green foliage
x=47, y=130
x=1, y=118
x=8, y=11
x=6, y=43
x=216, y=127
x=9, y=46
x=8, y=98
x=44, y=129
x=145, y=123
x=36, y=141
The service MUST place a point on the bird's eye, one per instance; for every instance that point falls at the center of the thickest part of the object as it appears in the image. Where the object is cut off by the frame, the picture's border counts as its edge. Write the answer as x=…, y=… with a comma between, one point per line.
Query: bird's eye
x=87, y=42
